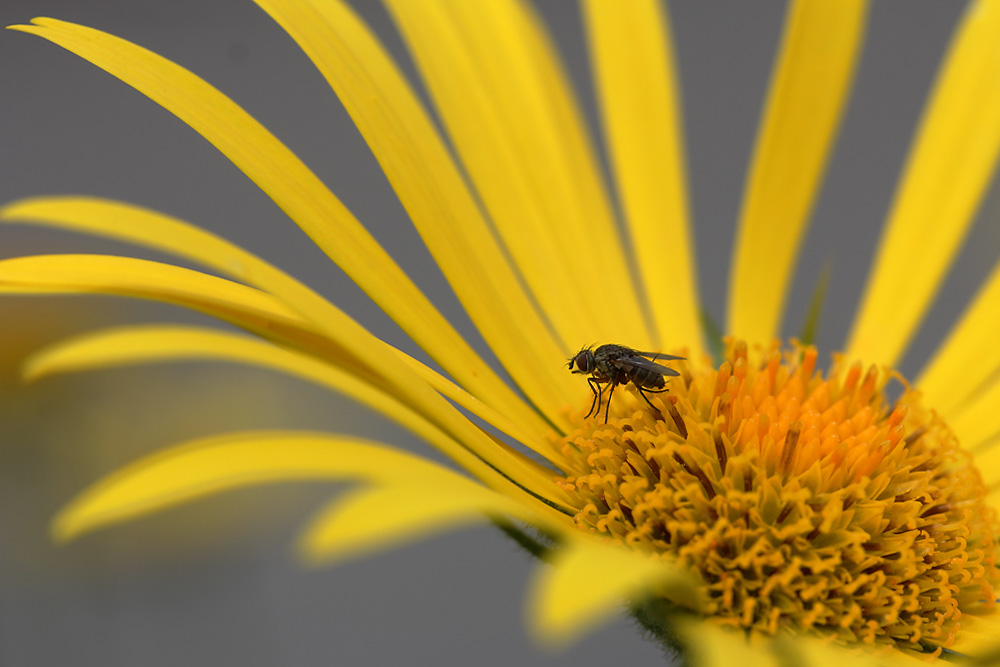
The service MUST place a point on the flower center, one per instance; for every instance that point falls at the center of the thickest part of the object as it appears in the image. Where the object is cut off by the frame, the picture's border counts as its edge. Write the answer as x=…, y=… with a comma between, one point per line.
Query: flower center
x=799, y=502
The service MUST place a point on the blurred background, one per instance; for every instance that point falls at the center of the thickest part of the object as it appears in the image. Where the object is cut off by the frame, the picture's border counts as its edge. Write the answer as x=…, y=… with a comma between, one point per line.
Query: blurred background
x=216, y=582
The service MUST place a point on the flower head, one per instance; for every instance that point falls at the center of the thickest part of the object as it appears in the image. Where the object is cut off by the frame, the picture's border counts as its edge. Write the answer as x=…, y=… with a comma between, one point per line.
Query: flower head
x=797, y=501
x=753, y=491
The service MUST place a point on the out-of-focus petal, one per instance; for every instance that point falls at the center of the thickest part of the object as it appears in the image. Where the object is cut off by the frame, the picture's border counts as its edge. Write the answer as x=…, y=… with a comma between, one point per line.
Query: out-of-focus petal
x=809, y=88
x=383, y=516
x=712, y=646
x=951, y=162
x=980, y=634
x=210, y=465
x=976, y=421
x=631, y=52
x=145, y=344
x=587, y=581
x=954, y=377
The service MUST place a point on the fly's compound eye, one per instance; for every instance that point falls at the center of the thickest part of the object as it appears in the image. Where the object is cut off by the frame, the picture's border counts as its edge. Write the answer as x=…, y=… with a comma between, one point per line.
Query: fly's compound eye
x=584, y=362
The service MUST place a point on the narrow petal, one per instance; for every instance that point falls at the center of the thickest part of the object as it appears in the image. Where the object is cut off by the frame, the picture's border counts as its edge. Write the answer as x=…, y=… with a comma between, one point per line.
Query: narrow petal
x=383, y=516
x=210, y=465
x=809, y=88
x=506, y=102
x=954, y=379
x=430, y=187
x=145, y=344
x=631, y=50
x=126, y=276
x=152, y=229
x=588, y=581
x=950, y=165
x=301, y=195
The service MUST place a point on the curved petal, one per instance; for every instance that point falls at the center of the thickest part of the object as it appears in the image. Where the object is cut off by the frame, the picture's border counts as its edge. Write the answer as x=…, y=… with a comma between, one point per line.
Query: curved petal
x=293, y=187
x=144, y=344
x=809, y=87
x=631, y=52
x=501, y=92
x=152, y=229
x=383, y=516
x=432, y=190
x=947, y=172
x=126, y=276
x=210, y=465
x=954, y=378
x=238, y=304
x=588, y=580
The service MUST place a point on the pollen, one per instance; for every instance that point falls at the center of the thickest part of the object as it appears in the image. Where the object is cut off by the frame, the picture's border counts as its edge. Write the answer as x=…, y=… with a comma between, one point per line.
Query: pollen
x=797, y=502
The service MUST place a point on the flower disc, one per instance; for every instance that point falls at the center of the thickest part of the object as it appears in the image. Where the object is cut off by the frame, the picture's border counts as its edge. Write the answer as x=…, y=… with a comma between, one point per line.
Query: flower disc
x=797, y=501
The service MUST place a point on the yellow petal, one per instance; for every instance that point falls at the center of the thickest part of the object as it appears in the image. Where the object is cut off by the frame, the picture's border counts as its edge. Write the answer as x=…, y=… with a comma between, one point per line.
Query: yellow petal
x=979, y=634
x=969, y=356
x=588, y=581
x=632, y=54
x=988, y=464
x=144, y=344
x=152, y=229
x=431, y=189
x=384, y=516
x=296, y=190
x=977, y=421
x=126, y=276
x=951, y=163
x=506, y=102
x=712, y=646
x=210, y=465
x=809, y=87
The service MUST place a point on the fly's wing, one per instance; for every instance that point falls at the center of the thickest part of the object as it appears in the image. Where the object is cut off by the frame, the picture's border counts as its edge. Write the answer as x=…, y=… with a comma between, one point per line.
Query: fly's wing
x=633, y=361
x=659, y=355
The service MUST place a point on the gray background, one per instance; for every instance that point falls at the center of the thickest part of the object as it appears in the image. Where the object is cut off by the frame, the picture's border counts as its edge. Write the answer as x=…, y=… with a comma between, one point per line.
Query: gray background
x=216, y=583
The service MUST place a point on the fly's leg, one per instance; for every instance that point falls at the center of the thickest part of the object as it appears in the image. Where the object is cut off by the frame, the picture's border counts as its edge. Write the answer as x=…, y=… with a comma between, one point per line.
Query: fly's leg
x=643, y=394
x=595, y=387
x=610, y=394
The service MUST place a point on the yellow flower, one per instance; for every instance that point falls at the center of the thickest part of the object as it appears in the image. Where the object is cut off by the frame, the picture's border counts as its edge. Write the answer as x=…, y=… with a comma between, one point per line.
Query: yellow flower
x=750, y=492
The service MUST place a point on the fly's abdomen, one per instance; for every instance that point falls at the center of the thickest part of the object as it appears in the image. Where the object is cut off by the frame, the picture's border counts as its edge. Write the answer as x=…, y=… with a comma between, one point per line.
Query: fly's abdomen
x=647, y=379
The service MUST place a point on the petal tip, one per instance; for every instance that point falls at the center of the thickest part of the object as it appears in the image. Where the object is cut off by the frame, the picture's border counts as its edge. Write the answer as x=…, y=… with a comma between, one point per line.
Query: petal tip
x=32, y=26
x=65, y=527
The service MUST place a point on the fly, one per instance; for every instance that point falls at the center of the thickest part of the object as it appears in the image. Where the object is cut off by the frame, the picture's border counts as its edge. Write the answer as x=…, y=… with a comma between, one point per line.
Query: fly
x=616, y=364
